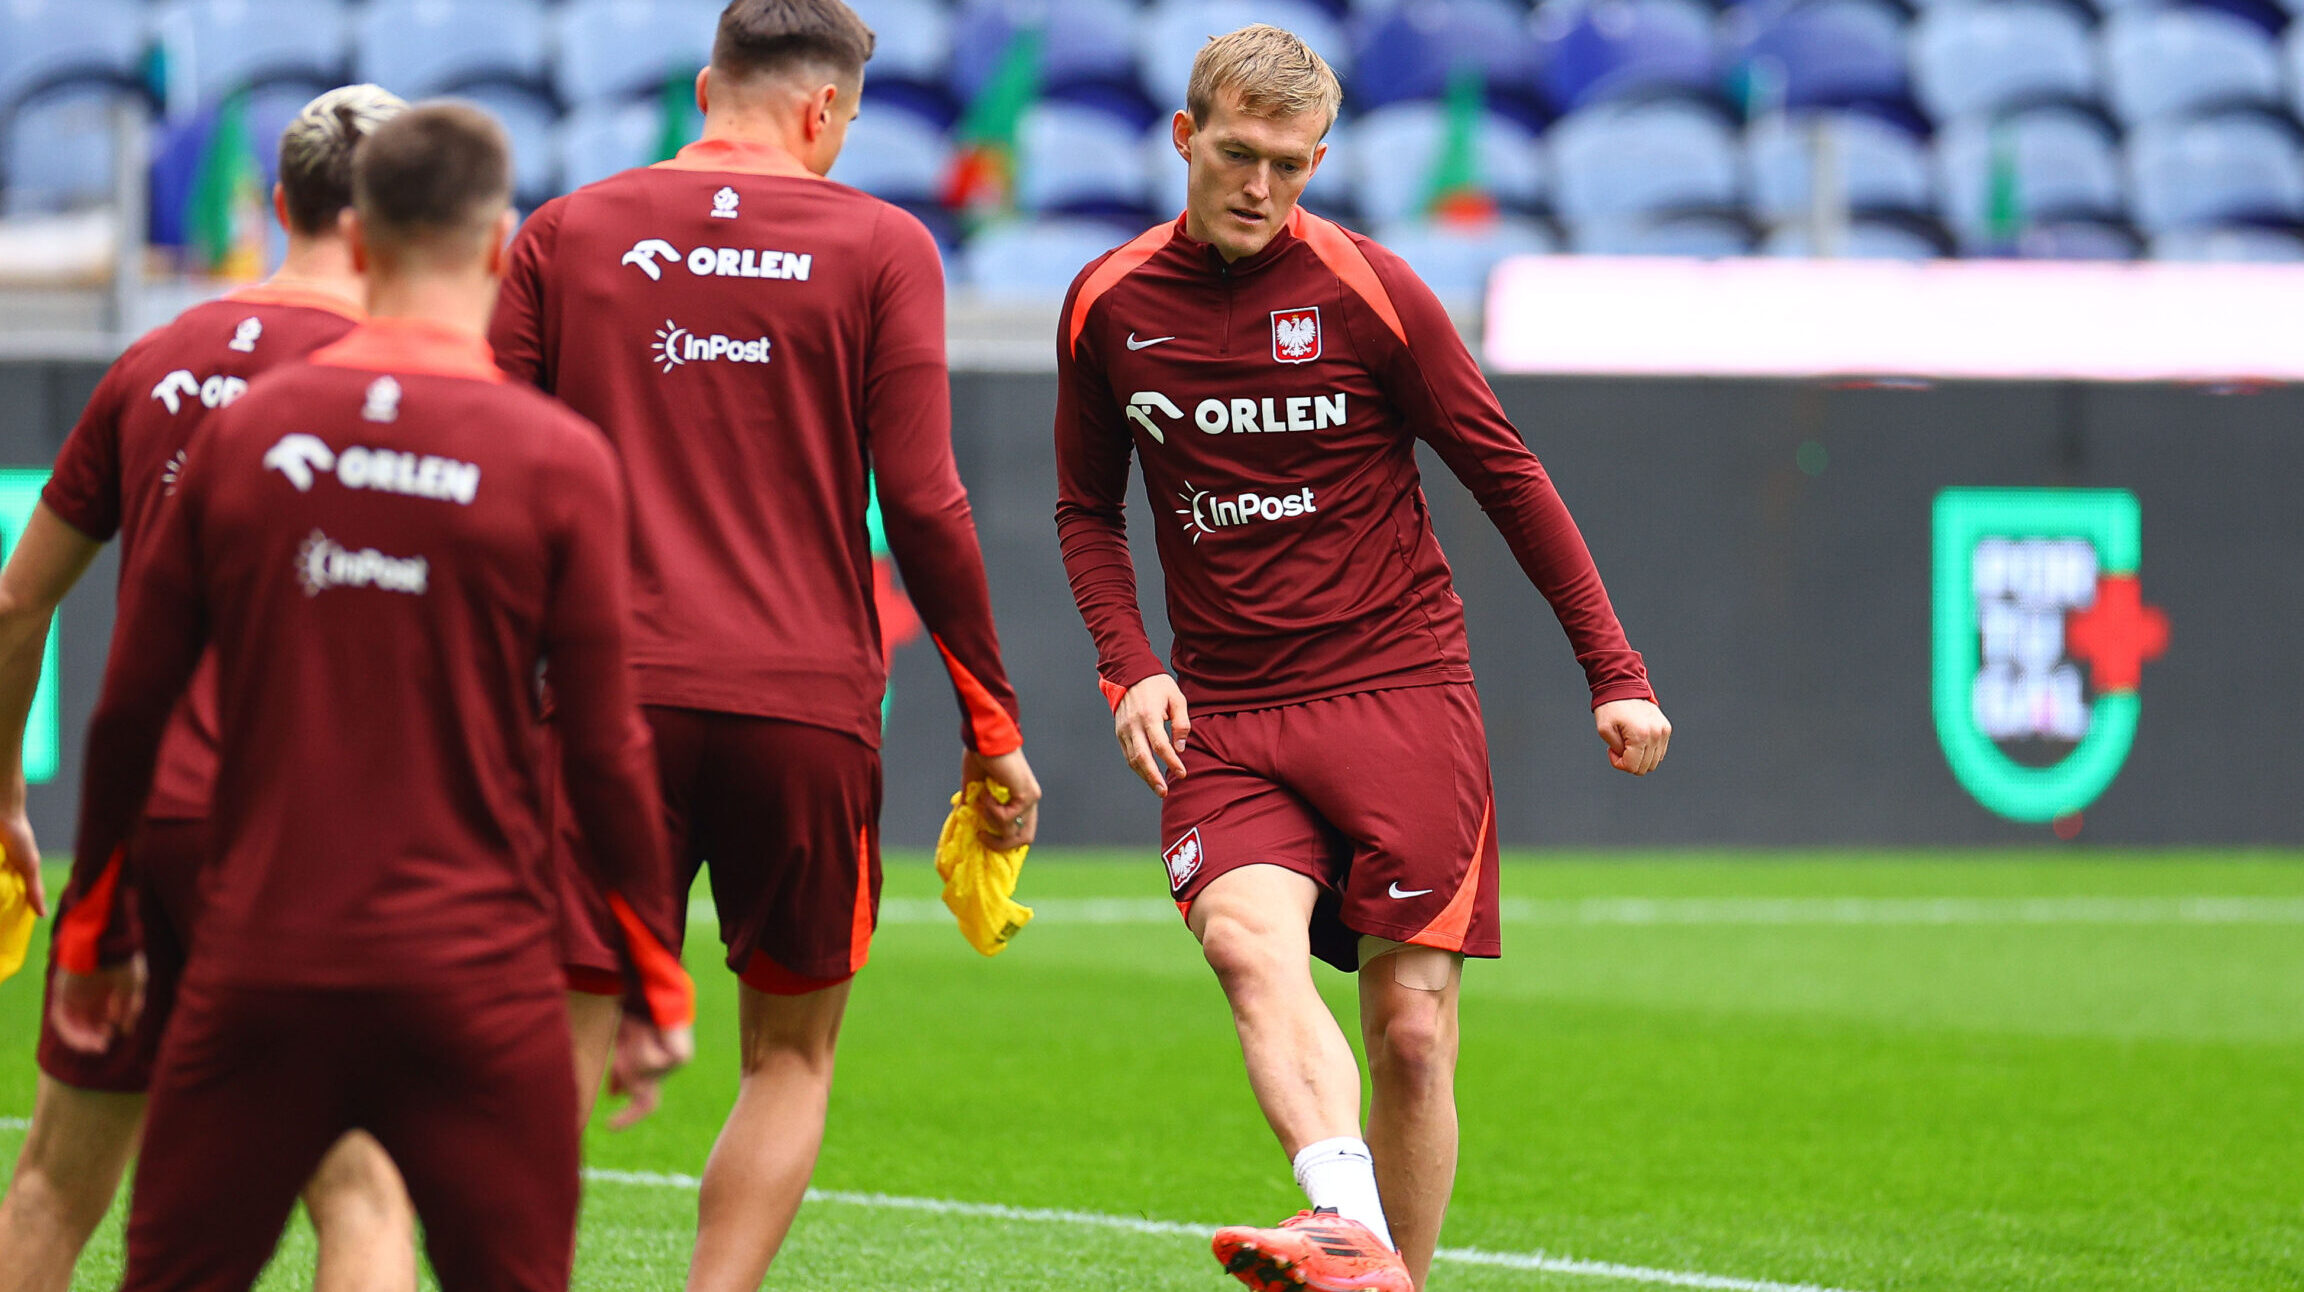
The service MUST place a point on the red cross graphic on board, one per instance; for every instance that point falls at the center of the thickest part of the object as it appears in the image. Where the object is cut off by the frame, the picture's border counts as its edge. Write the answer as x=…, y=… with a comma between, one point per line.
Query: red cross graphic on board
x=2117, y=634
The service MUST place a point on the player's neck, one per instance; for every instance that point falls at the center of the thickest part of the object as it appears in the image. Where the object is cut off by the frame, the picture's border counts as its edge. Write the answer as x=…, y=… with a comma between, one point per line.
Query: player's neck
x=750, y=130
x=459, y=301
x=321, y=265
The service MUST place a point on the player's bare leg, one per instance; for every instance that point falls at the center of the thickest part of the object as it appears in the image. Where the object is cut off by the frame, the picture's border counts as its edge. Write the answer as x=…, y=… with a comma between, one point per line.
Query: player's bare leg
x=592, y=1022
x=1253, y=924
x=760, y=1165
x=74, y=1152
x=362, y=1217
x=1408, y=1020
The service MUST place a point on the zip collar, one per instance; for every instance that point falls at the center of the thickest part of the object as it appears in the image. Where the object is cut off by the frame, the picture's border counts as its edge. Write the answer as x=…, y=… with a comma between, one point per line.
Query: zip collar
x=1207, y=254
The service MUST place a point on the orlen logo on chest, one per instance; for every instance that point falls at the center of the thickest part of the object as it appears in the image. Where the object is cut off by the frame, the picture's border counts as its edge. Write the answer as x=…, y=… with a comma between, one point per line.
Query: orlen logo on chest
x=180, y=385
x=1271, y=415
x=719, y=262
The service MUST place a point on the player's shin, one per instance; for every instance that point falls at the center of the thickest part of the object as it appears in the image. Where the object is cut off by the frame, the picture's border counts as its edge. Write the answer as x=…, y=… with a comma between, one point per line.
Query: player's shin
x=1408, y=1014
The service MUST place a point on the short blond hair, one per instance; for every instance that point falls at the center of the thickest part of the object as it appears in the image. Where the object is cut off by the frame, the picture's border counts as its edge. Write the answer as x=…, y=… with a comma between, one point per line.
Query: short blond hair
x=316, y=151
x=1274, y=73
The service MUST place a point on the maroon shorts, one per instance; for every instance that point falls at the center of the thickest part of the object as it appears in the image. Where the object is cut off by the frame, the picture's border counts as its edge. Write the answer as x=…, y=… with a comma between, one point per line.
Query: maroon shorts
x=167, y=857
x=465, y=1085
x=1382, y=798
x=786, y=816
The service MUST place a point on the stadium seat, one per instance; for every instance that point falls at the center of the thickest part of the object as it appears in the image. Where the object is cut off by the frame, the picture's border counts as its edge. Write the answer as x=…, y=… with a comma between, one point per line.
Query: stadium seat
x=2079, y=240
x=420, y=48
x=1616, y=160
x=1819, y=53
x=2212, y=169
x=1083, y=42
x=214, y=47
x=1402, y=145
x=1035, y=260
x=1590, y=51
x=57, y=152
x=2229, y=244
x=912, y=39
x=1708, y=235
x=1881, y=167
x=2060, y=161
x=46, y=43
x=2166, y=62
x=1411, y=51
x=1866, y=240
x=1972, y=58
x=1072, y=158
x=1172, y=32
x=1454, y=261
x=613, y=48
x=894, y=154
x=600, y=139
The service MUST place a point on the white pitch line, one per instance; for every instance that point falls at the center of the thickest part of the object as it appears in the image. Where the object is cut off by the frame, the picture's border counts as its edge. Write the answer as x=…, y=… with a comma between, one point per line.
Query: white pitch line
x=1537, y=1261
x=1725, y=911
x=15, y=1123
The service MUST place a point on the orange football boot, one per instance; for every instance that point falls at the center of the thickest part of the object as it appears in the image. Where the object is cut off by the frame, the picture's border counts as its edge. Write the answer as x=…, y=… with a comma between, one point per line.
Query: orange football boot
x=1318, y=1251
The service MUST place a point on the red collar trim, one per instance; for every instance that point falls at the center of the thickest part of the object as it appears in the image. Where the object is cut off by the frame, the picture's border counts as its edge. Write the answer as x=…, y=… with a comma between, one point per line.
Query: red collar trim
x=413, y=346
x=301, y=293
x=737, y=157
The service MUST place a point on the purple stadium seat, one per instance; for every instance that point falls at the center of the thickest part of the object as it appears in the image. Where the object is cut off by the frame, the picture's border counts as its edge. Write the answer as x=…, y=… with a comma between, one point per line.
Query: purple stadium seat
x=1410, y=52
x=1590, y=51
x=1821, y=53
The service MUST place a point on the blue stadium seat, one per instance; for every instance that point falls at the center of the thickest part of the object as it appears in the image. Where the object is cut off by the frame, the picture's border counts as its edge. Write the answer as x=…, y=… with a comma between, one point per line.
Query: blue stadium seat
x=1072, y=158
x=1083, y=42
x=613, y=48
x=1172, y=32
x=2230, y=244
x=1811, y=53
x=1410, y=52
x=1617, y=160
x=1881, y=167
x=1973, y=58
x=214, y=47
x=1708, y=236
x=530, y=122
x=2079, y=240
x=1399, y=147
x=1866, y=240
x=55, y=42
x=599, y=139
x=912, y=39
x=1455, y=261
x=2165, y=62
x=58, y=151
x=894, y=154
x=2062, y=161
x=420, y=48
x=1035, y=260
x=1590, y=51
x=2212, y=169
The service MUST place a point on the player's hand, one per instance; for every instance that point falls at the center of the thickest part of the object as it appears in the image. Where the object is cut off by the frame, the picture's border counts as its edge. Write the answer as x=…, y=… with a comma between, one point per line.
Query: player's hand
x=19, y=851
x=1636, y=733
x=645, y=1055
x=90, y=1010
x=1152, y=710
x=1017, y=820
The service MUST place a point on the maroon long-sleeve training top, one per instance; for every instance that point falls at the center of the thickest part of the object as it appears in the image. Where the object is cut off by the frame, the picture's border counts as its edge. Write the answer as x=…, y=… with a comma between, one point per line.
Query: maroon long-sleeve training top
x=384, y=545
x=120, y=460
x=1275, y=403
x=758, y=342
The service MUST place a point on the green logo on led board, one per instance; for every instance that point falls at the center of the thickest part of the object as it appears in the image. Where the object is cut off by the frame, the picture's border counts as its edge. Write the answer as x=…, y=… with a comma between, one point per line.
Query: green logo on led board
x=19, y=492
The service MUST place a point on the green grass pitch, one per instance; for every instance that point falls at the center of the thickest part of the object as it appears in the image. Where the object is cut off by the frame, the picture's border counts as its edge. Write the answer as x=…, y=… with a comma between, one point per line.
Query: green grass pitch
x=1868, y=1072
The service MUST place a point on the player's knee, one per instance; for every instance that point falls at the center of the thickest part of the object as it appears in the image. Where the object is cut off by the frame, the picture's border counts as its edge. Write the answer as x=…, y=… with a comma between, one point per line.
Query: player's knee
x=1411, y=1048
x=1242, y=951
x=49, y=1198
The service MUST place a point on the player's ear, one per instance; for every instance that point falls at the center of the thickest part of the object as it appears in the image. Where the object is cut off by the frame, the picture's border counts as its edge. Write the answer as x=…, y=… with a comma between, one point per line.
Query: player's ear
x=704, y=91
x=355, y=237
x=1181, y=130
x=500, y=246
x=1317, y=154
x=280, y=207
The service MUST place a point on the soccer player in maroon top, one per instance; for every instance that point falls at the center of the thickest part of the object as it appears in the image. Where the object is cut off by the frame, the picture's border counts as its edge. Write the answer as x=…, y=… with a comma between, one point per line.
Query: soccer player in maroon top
x=1273, y=374
x=384, y=544
x=759, y=343
x=113, y=477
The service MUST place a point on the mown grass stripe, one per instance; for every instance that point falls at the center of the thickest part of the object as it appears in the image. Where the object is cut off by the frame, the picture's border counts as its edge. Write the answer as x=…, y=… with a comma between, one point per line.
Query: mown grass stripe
x=1533, y=1261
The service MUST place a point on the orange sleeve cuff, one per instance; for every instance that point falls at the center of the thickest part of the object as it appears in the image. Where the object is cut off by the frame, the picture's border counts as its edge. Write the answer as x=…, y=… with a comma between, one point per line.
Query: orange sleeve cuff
x=81, y=931
x=670, y=993
x=994, y=731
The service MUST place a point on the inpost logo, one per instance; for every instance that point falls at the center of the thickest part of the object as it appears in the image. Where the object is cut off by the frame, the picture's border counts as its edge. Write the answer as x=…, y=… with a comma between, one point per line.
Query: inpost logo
x=2041, y=637
x=1204, y=513
x=676, y=345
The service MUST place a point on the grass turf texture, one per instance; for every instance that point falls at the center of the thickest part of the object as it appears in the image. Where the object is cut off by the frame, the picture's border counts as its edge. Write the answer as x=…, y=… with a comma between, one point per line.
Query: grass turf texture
x=1970, y=1105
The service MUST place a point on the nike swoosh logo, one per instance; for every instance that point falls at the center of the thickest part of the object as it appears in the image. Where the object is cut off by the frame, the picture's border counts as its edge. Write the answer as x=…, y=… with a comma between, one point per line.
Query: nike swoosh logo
x=1398, y=892
x=1135, y=344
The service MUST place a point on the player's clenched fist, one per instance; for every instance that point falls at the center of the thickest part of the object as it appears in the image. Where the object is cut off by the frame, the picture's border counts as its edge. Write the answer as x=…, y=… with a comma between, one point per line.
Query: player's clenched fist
x=1636, y=733
x=1144, y=720
x=645, y=1055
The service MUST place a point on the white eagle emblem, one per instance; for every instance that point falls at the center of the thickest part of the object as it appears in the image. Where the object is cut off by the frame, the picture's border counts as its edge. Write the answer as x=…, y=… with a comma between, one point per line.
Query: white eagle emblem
x=1183, y=858
x=724, y=204
x=245, y=336
x=1296, y=335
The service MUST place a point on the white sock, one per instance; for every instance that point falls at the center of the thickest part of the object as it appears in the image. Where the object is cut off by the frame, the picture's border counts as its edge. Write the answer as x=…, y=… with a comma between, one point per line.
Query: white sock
x=1341, y=1173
